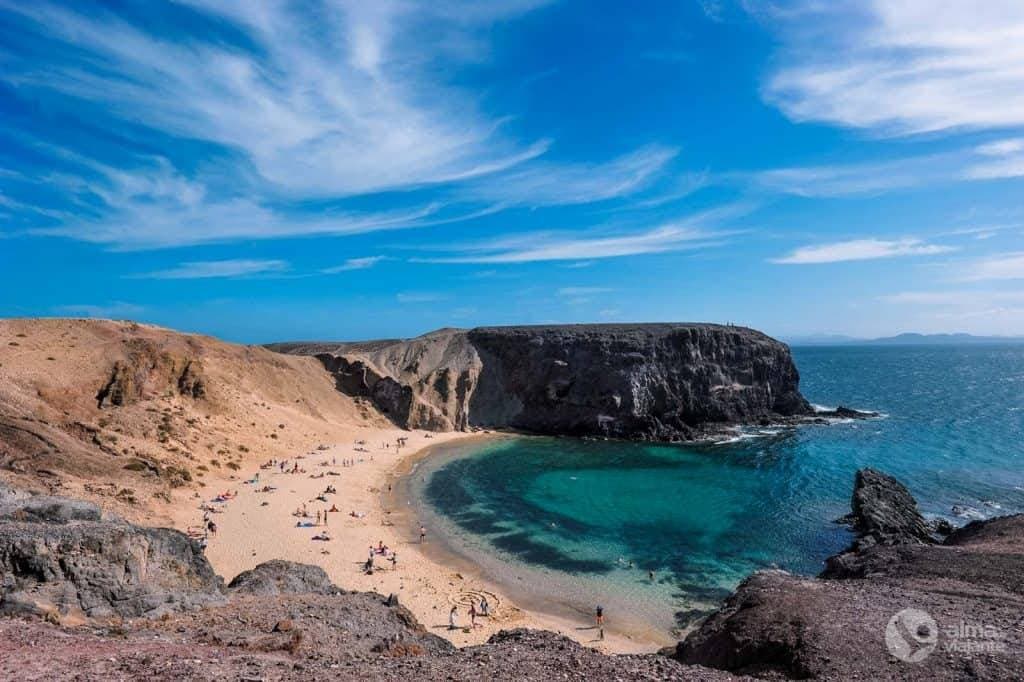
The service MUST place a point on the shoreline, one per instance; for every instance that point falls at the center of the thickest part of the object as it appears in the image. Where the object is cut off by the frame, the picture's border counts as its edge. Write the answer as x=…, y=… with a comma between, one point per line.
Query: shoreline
x=255, y=527
x=566, y=610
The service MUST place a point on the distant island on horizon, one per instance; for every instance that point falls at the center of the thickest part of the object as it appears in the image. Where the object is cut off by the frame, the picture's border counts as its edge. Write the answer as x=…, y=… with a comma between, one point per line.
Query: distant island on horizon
x=904, y=339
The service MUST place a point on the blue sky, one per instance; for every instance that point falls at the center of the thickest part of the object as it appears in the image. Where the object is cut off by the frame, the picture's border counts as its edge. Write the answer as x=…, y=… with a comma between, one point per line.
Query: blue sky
x=266, y=171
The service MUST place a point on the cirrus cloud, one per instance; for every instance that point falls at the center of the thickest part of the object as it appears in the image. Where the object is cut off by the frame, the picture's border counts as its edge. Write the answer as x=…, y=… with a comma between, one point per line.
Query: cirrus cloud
x=218, y=269
x=860, y=249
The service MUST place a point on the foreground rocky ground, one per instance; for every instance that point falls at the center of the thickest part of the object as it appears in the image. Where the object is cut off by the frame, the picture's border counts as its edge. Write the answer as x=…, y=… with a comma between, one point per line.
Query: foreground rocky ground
x=93, y=597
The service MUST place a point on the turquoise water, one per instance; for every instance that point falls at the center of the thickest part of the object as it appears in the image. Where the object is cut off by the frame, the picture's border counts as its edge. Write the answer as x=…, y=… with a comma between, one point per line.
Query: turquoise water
x=589, y=519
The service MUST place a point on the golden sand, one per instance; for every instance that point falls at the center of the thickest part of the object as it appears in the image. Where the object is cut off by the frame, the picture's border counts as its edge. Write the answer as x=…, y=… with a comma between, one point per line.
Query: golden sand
x=255, y=526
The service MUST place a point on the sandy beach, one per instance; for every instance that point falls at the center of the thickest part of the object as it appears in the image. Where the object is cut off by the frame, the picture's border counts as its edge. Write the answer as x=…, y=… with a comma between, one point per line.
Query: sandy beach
x=256, y=526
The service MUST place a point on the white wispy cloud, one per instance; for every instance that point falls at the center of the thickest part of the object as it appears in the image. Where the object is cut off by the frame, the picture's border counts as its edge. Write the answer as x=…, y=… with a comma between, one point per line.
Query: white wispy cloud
x=322, y=103
x=861, y=178
x=161, y=209
x=861, y=249
x=297, y=106
x=905, y=67
x=111, y=310
x=701, y=230
x=217, y=269
x=1001, y=267
x=354, y=264
x=544, y=183
x=566, y=246
x=1005, y=159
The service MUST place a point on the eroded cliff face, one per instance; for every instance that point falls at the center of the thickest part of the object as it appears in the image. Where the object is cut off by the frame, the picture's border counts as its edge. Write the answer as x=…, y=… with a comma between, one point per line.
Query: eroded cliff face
x=650, y=382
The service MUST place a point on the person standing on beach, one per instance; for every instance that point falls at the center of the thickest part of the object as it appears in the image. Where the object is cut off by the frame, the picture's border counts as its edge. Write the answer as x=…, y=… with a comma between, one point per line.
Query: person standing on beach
x=600, y=620
x=451, y=618
x=423, y=534
x=472, y=614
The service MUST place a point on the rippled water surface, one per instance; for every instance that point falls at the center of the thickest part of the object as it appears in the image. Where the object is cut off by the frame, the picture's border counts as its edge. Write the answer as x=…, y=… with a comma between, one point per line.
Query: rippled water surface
x=586, y=521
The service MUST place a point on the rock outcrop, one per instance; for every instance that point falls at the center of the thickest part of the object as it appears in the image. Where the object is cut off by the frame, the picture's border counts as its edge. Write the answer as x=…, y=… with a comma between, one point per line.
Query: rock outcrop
x=884, y=513
x=283, y=577
x=649, y=381
x=150, y=370
x=836, y=626
x=59, y=557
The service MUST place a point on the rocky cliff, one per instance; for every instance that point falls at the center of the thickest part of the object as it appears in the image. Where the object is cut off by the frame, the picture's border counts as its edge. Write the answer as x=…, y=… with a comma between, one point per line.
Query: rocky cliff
x=647, y=381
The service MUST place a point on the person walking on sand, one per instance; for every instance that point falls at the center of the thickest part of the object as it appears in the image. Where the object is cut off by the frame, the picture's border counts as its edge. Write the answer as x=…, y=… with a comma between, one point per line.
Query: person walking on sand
x=394, y=561
x=599, y=613
x=472, y=615
x=423, y=534
x=452, y=615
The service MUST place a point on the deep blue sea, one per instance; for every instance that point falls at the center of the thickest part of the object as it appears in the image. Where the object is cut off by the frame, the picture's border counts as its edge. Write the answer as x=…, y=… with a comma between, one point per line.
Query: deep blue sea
x=585, y=521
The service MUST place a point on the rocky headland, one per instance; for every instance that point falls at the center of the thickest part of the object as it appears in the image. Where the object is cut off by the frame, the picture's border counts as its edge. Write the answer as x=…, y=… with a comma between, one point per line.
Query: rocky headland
x=661, y=382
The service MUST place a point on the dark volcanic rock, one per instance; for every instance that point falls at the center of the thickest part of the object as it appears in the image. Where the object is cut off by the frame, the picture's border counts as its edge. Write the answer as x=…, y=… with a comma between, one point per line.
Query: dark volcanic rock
x=650, y=381
x=885, y=511
x=283, y=577
x=835, y=626
x=57, y=557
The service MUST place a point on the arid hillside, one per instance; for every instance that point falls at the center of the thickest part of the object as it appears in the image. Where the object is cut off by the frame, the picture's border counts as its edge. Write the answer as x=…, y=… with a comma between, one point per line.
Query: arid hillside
x=131, y=415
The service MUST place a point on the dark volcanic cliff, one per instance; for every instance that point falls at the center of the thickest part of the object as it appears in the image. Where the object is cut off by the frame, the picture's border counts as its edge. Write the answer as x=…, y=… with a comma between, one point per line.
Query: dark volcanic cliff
x=647, y=381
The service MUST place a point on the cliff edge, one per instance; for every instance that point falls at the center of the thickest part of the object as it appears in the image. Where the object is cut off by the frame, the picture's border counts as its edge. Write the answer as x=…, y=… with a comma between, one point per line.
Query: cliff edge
x=661, y=382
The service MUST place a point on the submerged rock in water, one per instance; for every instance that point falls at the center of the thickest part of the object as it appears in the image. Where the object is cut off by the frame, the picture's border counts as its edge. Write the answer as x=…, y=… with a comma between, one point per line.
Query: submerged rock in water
x=664, y=382
x=885, y=511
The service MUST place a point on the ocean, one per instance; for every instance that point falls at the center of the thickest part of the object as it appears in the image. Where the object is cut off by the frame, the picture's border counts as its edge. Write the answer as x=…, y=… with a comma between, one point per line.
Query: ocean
x=569, y=524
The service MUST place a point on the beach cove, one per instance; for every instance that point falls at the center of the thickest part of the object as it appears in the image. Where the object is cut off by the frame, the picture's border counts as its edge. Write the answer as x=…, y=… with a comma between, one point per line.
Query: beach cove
x=428, y=579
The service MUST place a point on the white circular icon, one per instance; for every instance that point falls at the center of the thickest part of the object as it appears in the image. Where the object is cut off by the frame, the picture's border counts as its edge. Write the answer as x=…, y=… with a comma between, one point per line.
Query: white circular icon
x=911, y=635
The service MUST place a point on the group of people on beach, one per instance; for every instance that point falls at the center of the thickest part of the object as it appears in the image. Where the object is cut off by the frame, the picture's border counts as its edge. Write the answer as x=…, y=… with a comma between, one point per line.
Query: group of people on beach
x=484, y=610
x=380, y=550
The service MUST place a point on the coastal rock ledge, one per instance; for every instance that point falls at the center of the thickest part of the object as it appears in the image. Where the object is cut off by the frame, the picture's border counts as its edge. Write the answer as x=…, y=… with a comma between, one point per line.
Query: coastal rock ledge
x=659, y=382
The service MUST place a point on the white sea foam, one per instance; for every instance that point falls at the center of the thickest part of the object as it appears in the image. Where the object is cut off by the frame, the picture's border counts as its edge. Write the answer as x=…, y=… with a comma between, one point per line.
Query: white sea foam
x=967, y=512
